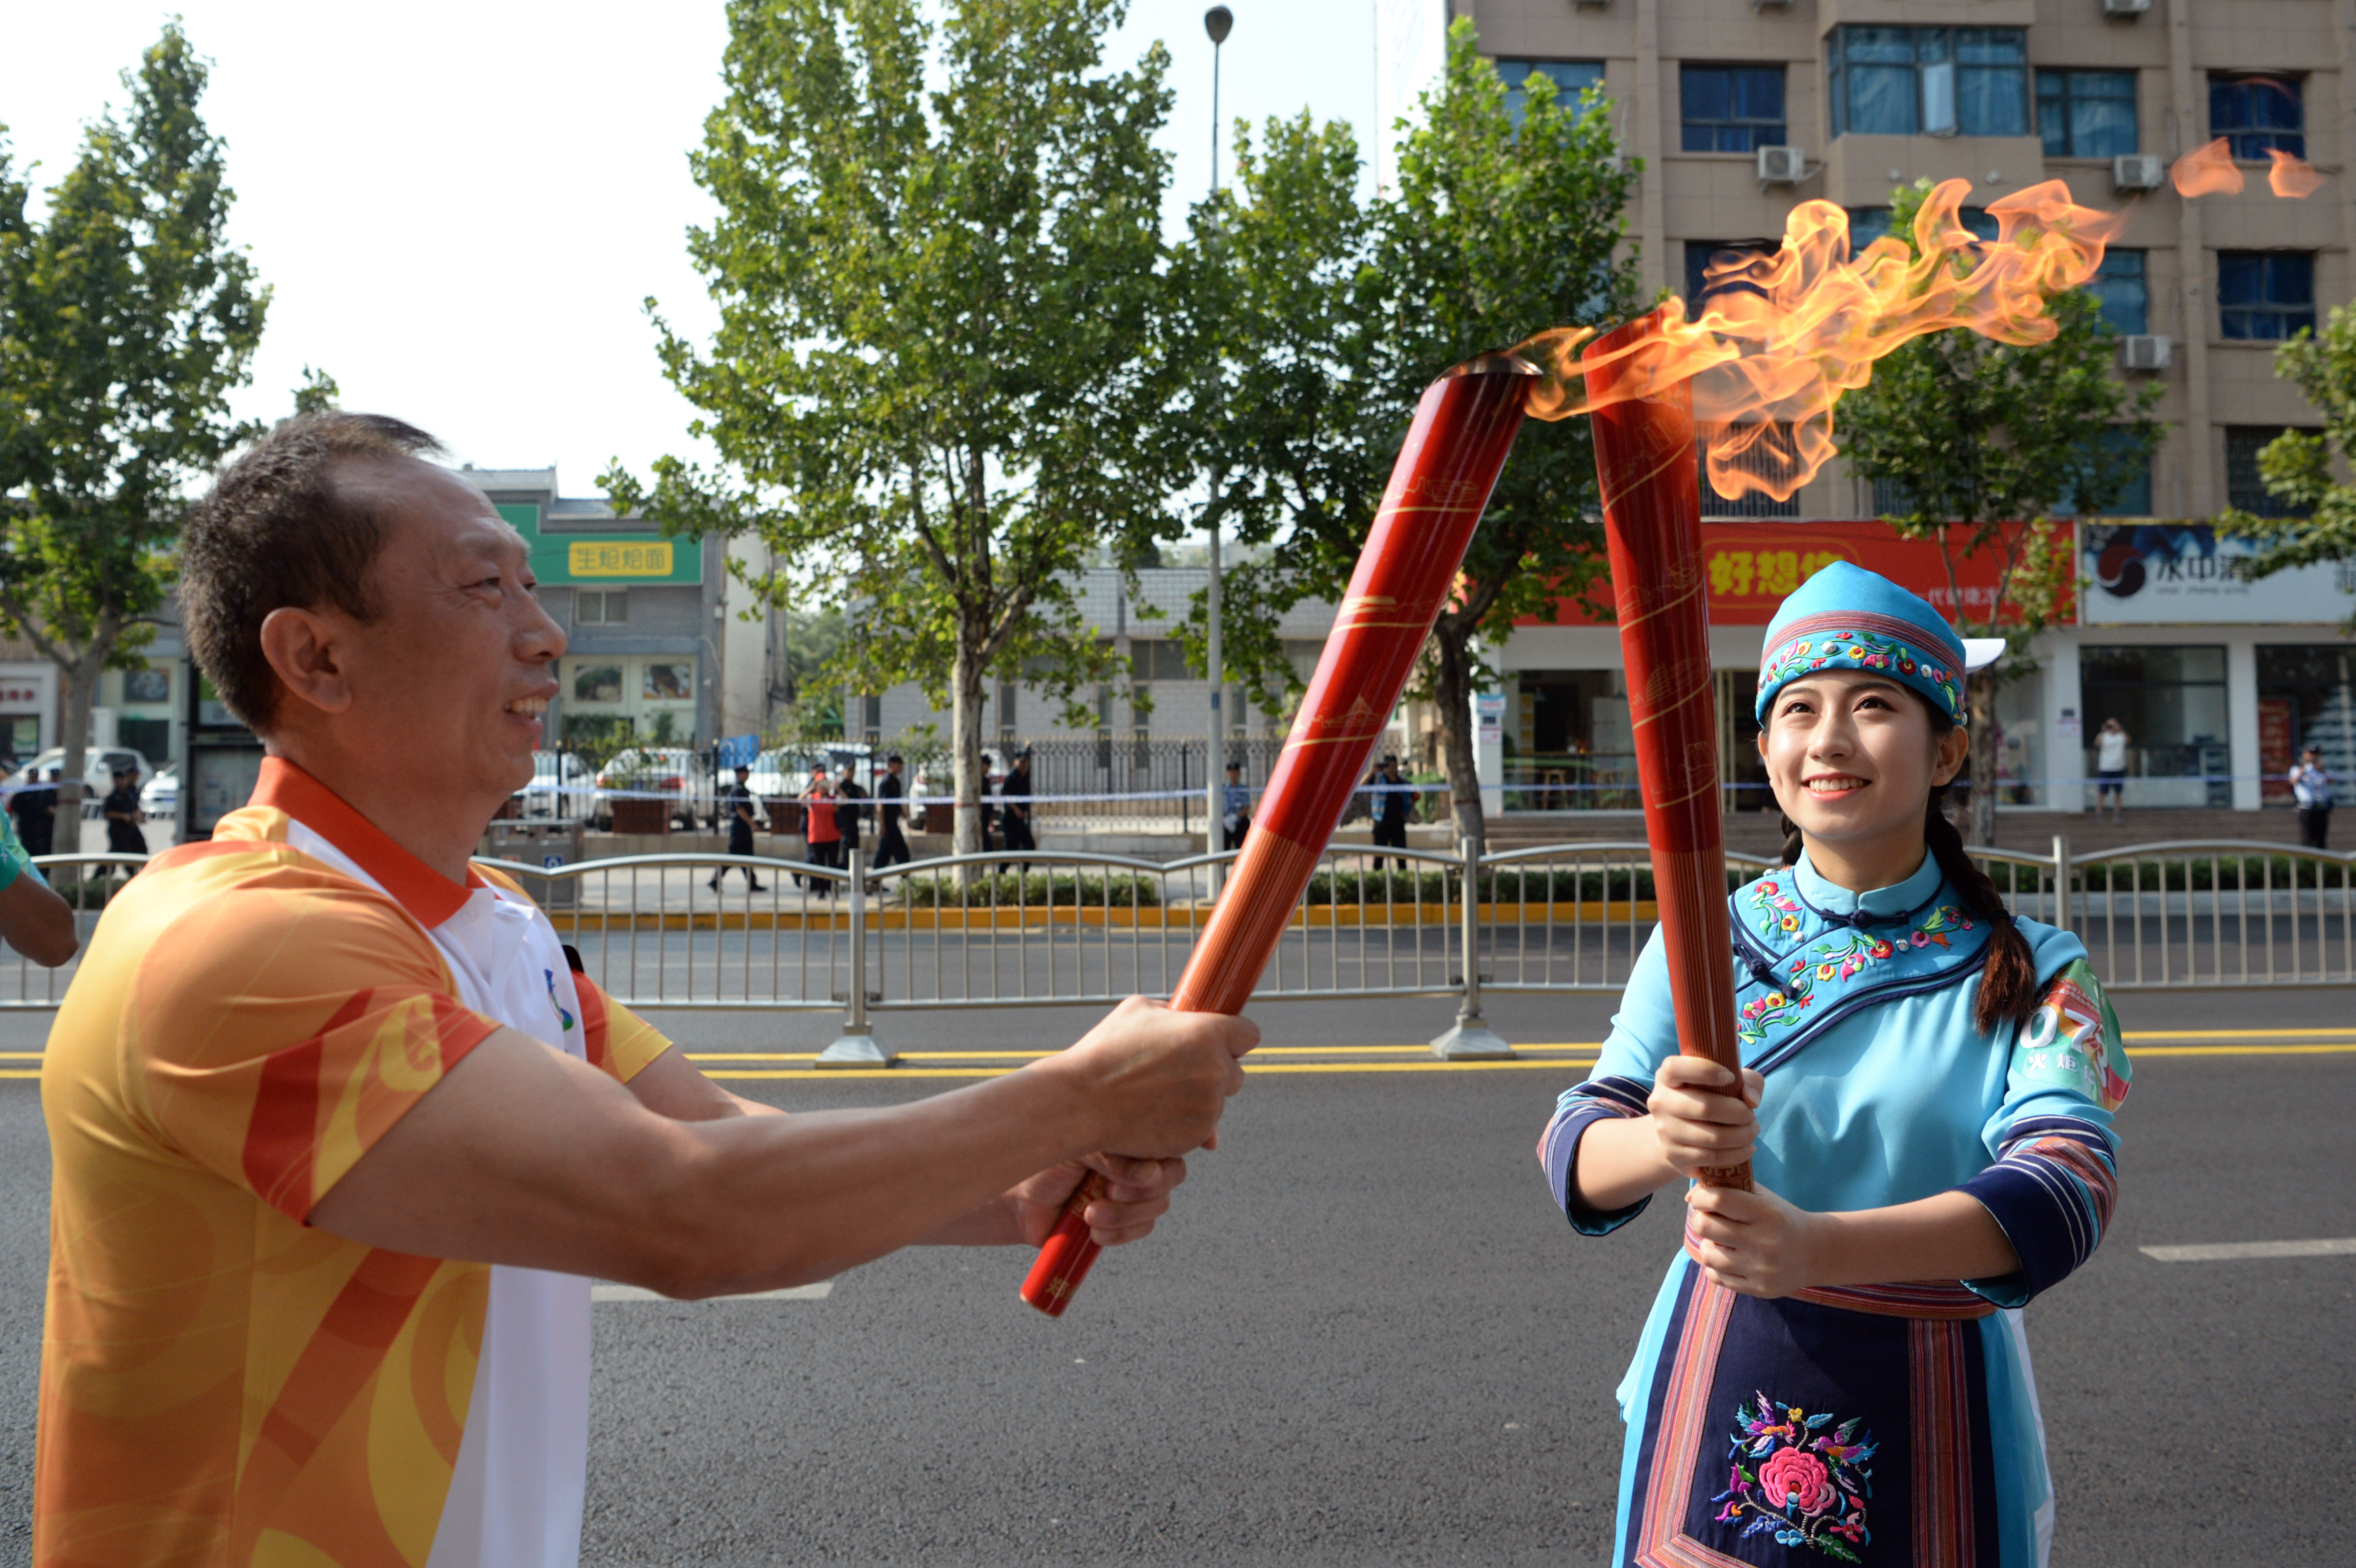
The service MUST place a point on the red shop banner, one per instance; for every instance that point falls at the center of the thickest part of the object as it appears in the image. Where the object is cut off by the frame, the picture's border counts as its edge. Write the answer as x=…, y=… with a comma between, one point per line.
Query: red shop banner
x=1754, y=566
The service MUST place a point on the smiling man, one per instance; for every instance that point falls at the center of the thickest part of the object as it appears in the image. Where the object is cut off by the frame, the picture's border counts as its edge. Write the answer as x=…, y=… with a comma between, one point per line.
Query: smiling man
x=340, y=1136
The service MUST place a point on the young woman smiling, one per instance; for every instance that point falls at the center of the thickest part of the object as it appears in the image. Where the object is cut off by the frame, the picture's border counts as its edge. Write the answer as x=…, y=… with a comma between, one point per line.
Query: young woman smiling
x=1835, y=1367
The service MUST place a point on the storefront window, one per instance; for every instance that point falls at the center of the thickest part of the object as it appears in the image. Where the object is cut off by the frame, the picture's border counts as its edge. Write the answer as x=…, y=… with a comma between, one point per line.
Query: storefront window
x=1579, y=754
x=2305, y=699
x=2020, y=742
x=2171, y=703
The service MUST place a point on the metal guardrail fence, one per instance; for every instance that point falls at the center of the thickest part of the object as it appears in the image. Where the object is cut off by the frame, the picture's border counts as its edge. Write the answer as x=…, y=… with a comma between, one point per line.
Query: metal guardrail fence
x=1052, y=927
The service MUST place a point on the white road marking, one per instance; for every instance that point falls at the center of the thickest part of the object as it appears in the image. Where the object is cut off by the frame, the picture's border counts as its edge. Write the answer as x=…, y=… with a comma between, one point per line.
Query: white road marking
x=818, y=1292
x=2227, y=1252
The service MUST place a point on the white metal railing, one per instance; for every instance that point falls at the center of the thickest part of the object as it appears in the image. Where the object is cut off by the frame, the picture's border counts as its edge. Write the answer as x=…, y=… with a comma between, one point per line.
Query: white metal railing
x=1046, y=928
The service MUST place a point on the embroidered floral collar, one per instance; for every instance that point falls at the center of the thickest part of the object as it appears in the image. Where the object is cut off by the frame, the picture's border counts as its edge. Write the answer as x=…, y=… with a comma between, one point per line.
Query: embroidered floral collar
x=1816, y=953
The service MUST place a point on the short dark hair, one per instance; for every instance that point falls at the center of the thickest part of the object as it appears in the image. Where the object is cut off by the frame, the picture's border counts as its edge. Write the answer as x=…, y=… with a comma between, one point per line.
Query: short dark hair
x=275, y=533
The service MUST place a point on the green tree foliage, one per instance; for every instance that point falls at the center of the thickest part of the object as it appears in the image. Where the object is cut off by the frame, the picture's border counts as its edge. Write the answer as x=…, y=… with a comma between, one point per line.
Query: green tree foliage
x=126, y=318
x=1984, y=442
x=2297, y=464
x=317, y=393
x=933, y=375
x=1326, y=319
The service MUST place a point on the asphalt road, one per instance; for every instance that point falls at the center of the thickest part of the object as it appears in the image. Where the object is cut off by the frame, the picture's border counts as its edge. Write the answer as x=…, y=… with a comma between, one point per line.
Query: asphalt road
x=1366, y=1338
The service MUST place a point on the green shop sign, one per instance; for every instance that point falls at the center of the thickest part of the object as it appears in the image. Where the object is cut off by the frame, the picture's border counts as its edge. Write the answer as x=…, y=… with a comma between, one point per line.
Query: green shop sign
x=606, y=560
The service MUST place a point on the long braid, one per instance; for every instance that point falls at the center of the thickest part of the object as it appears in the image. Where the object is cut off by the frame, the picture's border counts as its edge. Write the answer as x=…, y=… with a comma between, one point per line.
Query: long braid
x=1794, y=841
x=2008, y=977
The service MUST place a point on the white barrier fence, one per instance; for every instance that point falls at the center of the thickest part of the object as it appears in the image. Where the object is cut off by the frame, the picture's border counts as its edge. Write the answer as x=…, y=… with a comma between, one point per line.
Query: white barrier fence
x=1035, y=929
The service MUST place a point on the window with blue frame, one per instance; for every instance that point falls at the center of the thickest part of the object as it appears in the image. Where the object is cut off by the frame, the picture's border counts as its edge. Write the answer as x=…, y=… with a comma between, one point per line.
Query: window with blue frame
x=2258, y=114
x=2086, y=114
x=2264, y=295
x=1939, y=82
x=1867, y=224
x=1699, y=253
x=1732, y=108
x=2119, y=287
x=2134, y=498
x=1570, y=77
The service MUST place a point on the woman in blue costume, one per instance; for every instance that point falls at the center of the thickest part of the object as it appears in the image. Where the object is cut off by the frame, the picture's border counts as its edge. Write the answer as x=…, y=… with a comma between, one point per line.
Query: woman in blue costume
x=1834, y=1369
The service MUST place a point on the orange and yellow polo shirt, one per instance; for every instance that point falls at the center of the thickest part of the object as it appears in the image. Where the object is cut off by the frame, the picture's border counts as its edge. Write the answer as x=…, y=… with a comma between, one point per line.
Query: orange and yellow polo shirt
x=220, y=1383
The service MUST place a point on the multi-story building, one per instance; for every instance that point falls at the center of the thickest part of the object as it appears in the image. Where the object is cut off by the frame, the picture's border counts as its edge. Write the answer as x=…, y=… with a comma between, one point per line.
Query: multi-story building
x=1740, y=108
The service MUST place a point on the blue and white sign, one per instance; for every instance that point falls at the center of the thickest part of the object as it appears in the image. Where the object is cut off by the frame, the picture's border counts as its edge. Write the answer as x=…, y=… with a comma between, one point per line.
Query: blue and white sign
x=2175, y=574
x=739, y=750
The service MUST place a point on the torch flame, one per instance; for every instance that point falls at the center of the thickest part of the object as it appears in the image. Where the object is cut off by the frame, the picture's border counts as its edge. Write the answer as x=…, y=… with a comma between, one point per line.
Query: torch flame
x=2206, y=171
x=1767, y=366
x=2291, y=176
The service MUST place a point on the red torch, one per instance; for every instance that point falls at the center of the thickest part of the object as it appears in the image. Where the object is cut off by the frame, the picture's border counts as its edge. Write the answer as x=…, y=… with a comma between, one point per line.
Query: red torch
x=1465, y=425
x=1645, y=457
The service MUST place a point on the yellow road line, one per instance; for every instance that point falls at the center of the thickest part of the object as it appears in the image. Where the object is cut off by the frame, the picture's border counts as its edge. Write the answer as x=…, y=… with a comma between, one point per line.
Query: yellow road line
x=1251, y=1069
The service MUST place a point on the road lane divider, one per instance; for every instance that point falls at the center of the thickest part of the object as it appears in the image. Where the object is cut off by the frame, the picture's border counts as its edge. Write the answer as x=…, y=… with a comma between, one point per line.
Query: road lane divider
x=2236, y=1252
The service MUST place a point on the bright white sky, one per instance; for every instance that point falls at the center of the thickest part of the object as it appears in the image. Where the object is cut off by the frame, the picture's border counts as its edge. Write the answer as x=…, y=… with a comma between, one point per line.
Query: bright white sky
x=461, y=205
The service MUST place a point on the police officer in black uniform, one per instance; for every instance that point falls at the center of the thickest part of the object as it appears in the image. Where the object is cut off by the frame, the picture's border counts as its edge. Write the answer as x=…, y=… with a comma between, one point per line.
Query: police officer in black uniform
x=1392, y=808
x=891, y=849
x=122, y=834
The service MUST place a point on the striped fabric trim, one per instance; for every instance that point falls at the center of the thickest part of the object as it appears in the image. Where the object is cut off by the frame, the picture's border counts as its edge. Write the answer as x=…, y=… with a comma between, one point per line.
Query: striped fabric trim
x=2051, y=1192
x=1598, y=1099
x=1936, y=1301
x=1943, y=1523
x=1658, y=1525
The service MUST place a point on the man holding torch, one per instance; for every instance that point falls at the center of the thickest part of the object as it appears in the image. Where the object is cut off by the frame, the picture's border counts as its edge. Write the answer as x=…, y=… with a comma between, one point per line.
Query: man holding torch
x=341, y=1133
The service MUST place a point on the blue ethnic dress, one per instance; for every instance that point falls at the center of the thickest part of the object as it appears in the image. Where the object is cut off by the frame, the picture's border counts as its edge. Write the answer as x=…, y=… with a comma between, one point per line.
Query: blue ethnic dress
x=1893, y=1423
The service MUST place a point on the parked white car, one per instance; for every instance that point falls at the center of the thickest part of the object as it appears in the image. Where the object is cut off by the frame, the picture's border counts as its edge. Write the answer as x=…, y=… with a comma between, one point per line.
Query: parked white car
x=561, y=785
x=661, y=769
x=160, y=797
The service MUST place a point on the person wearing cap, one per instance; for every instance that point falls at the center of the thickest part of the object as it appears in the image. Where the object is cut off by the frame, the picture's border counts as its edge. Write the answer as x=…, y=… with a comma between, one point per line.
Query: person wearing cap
x=891, y=847
x=1926, y=1106
x=121, y=809
x=2311, y=787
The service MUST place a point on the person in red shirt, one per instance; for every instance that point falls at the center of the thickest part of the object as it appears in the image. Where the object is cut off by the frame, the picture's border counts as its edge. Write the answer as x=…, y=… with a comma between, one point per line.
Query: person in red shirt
x=822, y=838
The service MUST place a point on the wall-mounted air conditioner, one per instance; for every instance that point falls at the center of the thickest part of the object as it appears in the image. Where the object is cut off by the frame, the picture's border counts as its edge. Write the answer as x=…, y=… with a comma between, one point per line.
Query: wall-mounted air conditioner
x=2137, y=171
x=2129, y=9
x=2143, y=351
x=1782, y=166
x=1770, y=5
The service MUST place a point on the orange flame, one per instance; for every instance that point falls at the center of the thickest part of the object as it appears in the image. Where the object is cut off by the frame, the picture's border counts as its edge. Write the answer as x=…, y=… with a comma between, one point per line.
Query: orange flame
x=2206, y=171
x=2292, y=176
x=1768, y=360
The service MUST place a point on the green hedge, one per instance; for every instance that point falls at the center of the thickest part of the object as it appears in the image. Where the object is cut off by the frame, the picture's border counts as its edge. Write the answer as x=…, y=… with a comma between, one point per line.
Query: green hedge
x=2217, y=874
x=1036, y=889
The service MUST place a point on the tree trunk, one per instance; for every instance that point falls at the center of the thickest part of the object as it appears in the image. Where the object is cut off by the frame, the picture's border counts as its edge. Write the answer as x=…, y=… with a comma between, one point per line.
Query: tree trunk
x=965, y=746
x=80, y=680
x=1451, y=694
x=1981, y=825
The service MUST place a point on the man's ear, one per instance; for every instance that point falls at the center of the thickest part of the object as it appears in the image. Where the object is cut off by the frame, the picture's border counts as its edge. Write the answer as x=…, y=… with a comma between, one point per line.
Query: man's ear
x=308, y=655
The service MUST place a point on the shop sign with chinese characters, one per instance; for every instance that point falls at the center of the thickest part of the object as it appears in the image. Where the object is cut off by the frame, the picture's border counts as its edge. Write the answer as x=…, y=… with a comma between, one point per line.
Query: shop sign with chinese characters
x=2157, y=574
x=605, y=560
x=1751, y=567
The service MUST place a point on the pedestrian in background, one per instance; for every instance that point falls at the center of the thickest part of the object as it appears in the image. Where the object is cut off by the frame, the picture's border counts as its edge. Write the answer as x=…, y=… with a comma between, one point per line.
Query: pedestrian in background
x=121, y=808
x=1234, y=820
x=737, y=802
x=821, y=839
x=850, y=817
x=891, y=849
x=2111, y=768
x=1015, y=807
x=33, y=919
x=1394, y=803
x=2311, y=785
x=35, y=807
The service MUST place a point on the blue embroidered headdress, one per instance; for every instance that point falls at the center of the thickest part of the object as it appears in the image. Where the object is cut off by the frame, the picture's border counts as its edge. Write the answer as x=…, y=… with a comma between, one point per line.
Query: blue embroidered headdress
x=1847, y=618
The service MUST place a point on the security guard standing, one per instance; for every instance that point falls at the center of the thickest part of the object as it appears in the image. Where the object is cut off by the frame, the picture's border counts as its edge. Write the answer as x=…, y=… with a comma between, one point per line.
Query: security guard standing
x=1393, y=805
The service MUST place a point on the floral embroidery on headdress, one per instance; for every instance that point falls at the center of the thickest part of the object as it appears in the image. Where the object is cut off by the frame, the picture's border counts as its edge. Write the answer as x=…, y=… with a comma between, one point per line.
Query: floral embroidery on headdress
x=1864, y=650
x=1808, y=1486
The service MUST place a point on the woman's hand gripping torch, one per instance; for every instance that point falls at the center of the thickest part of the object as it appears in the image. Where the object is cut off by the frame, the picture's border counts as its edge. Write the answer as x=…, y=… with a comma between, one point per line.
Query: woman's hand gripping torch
x=1647, y=463
x=1465, y=425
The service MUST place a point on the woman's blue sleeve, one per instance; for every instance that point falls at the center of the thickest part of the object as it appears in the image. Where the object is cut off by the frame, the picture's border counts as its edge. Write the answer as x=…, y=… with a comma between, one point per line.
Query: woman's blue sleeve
x=2055, y=1176
x=1643, y=1035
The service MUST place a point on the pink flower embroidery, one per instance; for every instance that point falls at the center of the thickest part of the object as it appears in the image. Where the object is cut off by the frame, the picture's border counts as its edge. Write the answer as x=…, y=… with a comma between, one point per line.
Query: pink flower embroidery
x=1797, y=1478
x=1921, y=939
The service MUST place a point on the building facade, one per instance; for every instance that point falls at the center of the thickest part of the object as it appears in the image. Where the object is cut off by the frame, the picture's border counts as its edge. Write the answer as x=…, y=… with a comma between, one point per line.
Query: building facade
x=1740, y=108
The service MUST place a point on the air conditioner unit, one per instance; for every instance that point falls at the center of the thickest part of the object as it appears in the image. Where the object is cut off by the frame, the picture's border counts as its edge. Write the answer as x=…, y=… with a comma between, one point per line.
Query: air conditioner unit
x=1770, y=5
x=1782, y=166
x=2137, y=171
x=2125, y=8
x=2143, y=351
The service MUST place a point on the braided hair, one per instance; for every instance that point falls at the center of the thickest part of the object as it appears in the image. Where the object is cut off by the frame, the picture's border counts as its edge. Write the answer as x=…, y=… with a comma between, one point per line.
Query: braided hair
x=2009, y=976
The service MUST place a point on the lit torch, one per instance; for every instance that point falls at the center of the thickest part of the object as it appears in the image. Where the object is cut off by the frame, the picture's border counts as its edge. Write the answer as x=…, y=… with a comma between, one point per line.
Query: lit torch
x=1463, y=428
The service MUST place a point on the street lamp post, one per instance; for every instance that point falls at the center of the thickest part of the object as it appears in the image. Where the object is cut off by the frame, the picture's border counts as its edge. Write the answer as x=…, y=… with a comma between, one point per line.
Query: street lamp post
x=1219, y=21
